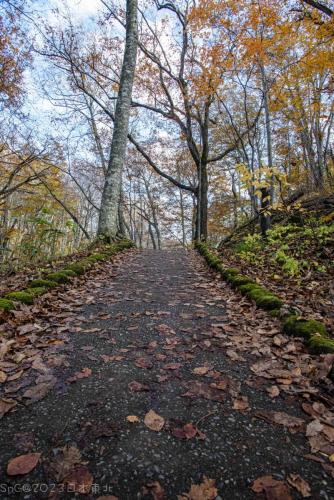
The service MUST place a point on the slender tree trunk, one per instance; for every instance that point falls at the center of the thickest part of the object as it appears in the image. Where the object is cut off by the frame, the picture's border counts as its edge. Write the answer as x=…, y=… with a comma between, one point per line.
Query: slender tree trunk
x=202, y=205
x=108, y=220
x=268, y=128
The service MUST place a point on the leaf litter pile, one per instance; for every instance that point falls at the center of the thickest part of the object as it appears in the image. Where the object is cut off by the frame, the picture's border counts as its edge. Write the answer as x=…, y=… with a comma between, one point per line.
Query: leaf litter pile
x=150, y=378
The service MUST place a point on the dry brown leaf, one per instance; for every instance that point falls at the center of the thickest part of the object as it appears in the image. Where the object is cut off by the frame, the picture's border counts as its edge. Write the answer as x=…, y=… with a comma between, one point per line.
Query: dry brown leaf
x=294, y=424
x=6, y=405
x=135, y=386
x=68, y=459
x=273, y=391
x=204, y=491
x=273, y=489
x=154, y=421
x=313, y=428
x=85, y=372
x=22, y=464
x=79, y=480
x=172, y=366
x=132, y=418
x=201, y=370
x=300, y=485
x=241, y=403
x=143, y=363
x=3, y=377
x=38, y=392
x=155, y=489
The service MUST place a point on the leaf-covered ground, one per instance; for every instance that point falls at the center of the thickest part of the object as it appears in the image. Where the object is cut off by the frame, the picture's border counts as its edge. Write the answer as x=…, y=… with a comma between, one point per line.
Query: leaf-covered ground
x=151, y=378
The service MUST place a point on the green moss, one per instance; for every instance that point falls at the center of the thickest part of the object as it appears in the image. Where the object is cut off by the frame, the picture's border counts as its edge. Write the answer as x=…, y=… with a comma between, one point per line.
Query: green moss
x=239, y=280
x=96, y=257
x=269, y=302
x=6, y=304
x=256, y=292
x=303, y=328
x=124, y=244
x=87, y=264
x=44, y=283
x=36, y=291
x=76, y=267
x=230, y=271
x=220, y=268
x=67, y=272
x=318, y=344
x=275, y=313
x=248, y=287
x=23, y=296
x=59, y=277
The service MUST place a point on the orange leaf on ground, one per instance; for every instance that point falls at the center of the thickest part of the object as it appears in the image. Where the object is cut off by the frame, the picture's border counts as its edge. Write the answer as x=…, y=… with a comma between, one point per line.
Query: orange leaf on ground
x=153, y=421
x=22, y=464
x=204, y=491
x=132, y=418
x=201, y=370
x=273, y=489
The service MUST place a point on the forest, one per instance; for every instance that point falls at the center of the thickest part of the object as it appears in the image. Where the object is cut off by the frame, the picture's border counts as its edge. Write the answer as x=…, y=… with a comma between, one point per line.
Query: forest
x=231, y=117
x=166, y=249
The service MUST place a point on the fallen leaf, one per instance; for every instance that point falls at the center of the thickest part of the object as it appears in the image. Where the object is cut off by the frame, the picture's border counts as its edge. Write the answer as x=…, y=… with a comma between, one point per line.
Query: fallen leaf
x=204, y=491
x=135, y=386
x=79, y=480
x=273, y=391
x=38, y=392
x=172, y=366
x=132, y=418
x=3, y=377
x=187, y=431
x=154, y=421
x=273, y=489
x=201, y=370
x=241, y=403
x=155, y=489
x=22, y=464
x=6, y=405
x=85, y=372
x=143, y=363
x=294, y=424
x=300, y=485
x=313, y=428
x=68, y=458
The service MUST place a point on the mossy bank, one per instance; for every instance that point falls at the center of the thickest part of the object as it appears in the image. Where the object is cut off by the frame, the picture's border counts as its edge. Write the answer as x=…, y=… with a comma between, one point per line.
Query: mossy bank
x=48, y=280
x=313, y=332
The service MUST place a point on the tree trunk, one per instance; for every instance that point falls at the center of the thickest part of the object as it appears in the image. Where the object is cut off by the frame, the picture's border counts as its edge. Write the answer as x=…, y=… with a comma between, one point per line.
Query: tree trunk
x=108, y=220
x=202, y=205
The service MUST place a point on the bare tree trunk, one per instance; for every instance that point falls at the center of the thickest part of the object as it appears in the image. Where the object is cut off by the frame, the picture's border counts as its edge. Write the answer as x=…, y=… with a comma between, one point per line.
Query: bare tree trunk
x=268, y=128
x=108, y=220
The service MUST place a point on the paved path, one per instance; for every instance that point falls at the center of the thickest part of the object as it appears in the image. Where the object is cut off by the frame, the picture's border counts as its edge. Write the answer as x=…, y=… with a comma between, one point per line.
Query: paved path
x=153, y=318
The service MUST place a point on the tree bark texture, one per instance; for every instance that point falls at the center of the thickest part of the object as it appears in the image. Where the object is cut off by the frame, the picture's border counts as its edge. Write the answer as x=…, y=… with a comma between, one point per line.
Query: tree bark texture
x=108, y=220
